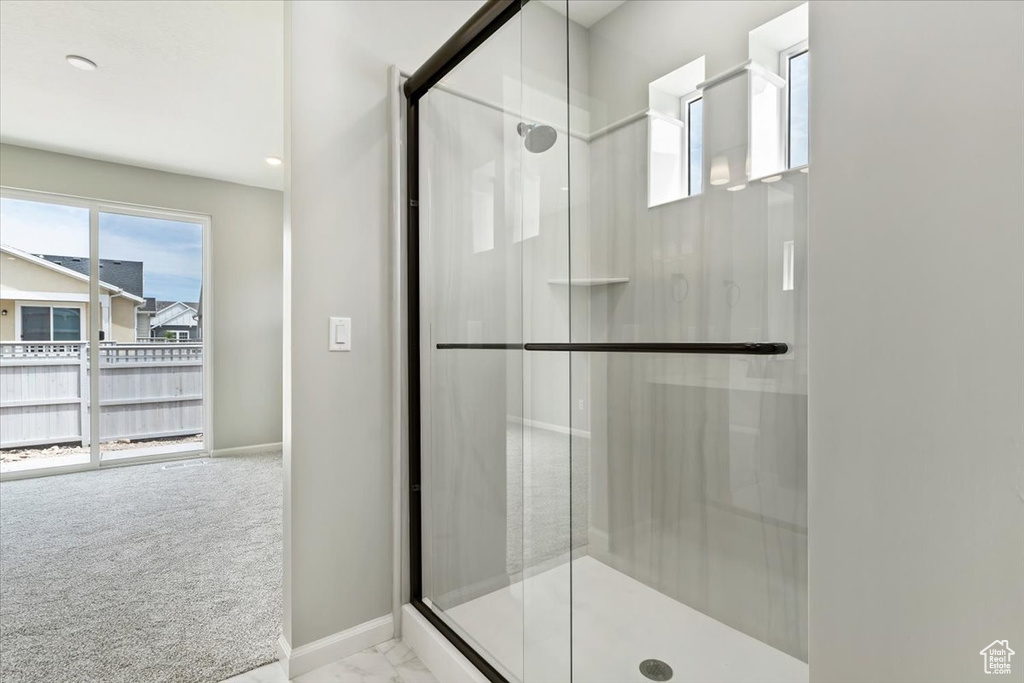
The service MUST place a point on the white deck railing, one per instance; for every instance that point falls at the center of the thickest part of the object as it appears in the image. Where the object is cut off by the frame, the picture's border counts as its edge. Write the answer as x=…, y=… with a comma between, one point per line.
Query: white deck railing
x=175, y=352
x=40, y=350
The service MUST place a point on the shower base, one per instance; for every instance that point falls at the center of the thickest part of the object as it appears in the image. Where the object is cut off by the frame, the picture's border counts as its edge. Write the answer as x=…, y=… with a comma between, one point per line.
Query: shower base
x=617, y=622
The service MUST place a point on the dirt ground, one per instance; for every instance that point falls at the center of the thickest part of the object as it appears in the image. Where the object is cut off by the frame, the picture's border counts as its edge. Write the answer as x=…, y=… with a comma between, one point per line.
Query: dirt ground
x=37, y=452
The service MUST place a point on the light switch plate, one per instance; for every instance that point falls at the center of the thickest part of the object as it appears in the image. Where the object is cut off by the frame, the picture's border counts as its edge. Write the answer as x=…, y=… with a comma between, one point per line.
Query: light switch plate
x=339, y=334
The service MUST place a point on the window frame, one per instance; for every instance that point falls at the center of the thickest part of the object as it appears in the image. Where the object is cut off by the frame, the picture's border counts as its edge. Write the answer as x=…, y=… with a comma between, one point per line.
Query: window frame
x=684, y=110
x=681, y=121
x=19, y=327
x=784, y=61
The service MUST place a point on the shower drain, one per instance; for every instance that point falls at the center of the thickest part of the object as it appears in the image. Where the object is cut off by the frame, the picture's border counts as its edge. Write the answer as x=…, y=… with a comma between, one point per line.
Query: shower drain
x=656, y=670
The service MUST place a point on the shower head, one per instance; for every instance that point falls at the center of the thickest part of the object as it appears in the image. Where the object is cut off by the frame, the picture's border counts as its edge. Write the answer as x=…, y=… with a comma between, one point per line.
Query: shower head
x=538, y=138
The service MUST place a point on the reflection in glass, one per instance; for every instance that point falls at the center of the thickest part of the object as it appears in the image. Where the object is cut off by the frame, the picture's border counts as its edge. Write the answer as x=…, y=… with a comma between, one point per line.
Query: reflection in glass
x=35, y=323
x=67, y=324
x=666, y=164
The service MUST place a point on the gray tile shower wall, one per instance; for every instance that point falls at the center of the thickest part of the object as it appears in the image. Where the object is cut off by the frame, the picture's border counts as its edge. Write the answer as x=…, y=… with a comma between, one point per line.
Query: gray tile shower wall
x=699, y=464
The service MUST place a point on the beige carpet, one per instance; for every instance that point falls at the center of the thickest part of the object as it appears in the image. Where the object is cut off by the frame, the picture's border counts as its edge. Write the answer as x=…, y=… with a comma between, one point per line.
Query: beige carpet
x=164, y=572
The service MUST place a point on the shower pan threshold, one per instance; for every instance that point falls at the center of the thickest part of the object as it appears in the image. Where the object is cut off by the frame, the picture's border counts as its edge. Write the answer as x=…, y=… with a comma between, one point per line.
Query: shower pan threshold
x=617, y=623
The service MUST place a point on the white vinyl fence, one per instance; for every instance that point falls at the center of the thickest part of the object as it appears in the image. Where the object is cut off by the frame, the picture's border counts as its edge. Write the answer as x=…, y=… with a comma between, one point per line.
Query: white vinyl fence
x=147, y=391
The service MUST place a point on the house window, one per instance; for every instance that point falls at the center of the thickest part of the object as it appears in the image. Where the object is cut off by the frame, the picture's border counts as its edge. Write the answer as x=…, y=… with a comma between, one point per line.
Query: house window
x=795, y=63
x=179, y=335
x=676, y=154
x=695, y=143
x=51, y=323
x=675, y=118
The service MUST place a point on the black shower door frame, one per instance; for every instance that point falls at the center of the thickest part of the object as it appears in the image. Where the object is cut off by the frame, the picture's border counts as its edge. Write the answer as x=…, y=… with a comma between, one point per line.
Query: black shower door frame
x=481, y=26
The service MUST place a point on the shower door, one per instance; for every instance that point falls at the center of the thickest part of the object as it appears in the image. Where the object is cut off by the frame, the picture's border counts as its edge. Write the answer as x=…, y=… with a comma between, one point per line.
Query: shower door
x=496, y=430
x=608, y=455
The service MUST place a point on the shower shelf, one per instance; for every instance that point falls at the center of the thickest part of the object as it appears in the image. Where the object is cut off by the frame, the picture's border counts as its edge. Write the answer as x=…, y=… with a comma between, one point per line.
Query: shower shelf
x=589, y=281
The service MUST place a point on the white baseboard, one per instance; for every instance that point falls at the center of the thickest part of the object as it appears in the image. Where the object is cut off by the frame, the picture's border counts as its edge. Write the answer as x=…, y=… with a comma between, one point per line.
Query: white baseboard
x=246, y=450
x=434, y=650
x=305, y=658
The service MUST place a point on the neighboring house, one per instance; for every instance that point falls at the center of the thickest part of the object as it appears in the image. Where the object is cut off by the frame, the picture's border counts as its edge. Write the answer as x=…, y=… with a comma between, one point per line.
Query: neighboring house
x=176, y=320
x=144, y=316
x=46, y=298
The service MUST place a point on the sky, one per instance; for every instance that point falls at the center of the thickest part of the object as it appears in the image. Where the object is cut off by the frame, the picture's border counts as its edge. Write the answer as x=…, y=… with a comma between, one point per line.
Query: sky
x=171, y=251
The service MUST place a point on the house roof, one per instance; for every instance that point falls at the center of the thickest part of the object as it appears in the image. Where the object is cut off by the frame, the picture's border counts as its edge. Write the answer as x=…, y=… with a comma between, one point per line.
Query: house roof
x=125, y=275
x=174, y=313
x=161, y=305
x=60, y=268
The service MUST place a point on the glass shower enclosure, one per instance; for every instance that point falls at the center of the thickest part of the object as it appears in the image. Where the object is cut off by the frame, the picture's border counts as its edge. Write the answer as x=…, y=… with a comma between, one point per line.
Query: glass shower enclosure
x=608, y=343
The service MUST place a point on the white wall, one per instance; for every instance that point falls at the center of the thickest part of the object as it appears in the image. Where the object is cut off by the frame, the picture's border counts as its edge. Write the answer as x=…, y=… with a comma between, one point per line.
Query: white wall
x=917, y=329
x=246, y=252
x=337, y=421
x=643, y=40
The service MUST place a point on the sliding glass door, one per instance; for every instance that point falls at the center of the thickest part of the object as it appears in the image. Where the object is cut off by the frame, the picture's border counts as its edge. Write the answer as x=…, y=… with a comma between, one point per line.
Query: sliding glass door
x=151, y=363
x=102, y=343
x=45, y=328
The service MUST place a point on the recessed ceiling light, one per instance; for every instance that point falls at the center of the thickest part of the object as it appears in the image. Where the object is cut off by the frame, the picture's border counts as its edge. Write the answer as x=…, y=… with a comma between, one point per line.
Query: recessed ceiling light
x=771, y=179
x=80, y=62
x=273, y=161
x=737, y=188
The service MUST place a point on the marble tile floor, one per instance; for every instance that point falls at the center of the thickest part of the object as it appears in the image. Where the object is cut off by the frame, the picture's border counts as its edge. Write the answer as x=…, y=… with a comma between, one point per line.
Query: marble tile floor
x=390, y=662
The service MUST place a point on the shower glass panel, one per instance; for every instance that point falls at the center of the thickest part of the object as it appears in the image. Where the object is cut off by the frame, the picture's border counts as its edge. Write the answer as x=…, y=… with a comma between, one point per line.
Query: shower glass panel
x=495, y=421
x=613, y=396
x=697, y=538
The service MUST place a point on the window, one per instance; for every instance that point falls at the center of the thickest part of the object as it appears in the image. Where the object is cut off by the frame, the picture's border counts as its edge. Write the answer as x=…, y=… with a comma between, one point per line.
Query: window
x=51, y=323
x=51, y=244
x=795, y=64
x=695, y=144
x=676, y=152
x=675, y=118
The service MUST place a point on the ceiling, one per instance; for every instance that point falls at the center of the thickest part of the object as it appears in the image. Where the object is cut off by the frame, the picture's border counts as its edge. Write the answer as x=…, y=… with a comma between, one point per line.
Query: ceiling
x=586, y=13
x=189, y=87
